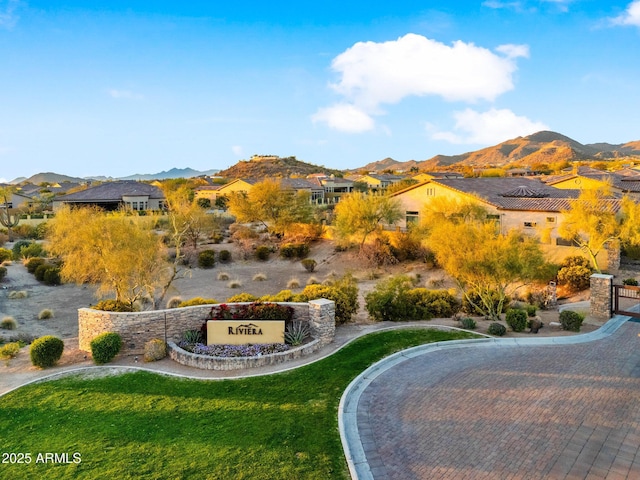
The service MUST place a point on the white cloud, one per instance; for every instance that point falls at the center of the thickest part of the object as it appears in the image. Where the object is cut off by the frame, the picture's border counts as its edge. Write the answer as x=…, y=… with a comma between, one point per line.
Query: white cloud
x=124, y=94
x=498, y=5
x=237, y=150
x=8, y=15
x=345, y=117
x=631, y=16
x=373, y=74
x=487, y=128
x=376, y=73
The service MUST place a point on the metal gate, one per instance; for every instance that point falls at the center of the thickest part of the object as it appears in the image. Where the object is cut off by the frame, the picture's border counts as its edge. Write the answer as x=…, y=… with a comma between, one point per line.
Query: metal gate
x=626, y=300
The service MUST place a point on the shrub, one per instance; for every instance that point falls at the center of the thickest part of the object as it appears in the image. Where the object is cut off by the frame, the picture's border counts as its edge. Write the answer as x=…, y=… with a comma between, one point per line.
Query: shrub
x=174, y=302
x=111, y=305
x=207, y=259
x=408, y=246
x=571, y=321
x=234, y=284
x=296, y=333
x=516, y=319
x=281, y=296
x=197, y=301
x=39, y=271
x=497, y=329
x=260, y=277
x=468, y=323
x=531, y=310
x=3, y=272
x=9, y=350
x=52, y=276
x=224, y=256
x=105, y=347
x=5, y=254
x=223, y=276
x=263, y=252
x=192, y=336
x=309, y=264
x=395, y=299
x=32, y=263
x=293, y=283
x=18, y=294
x=312, y=281
x=154, y=350
x=344, y=292
x=630, y=281
x=45, y=314
x=46, y=351
x=8, y=323
x=32, y=250
x=17, y=247
x=378, y=253
x=575, y=272
x=242, y=297
x=294, y=250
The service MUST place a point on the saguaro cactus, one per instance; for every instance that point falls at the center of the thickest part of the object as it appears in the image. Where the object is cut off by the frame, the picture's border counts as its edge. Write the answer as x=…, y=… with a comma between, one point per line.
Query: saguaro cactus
x=8, y=219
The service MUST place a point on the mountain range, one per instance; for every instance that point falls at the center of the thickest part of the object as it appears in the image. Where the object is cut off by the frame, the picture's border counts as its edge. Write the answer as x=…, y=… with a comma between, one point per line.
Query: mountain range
x=534, y=150
x=540, y=148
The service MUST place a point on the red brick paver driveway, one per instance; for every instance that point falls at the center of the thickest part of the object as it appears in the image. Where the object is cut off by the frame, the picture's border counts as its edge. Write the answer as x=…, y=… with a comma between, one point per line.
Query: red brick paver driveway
x=508, y=412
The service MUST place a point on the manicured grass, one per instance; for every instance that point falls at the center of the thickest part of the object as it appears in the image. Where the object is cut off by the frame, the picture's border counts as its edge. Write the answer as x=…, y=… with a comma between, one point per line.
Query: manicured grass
x=144, y=425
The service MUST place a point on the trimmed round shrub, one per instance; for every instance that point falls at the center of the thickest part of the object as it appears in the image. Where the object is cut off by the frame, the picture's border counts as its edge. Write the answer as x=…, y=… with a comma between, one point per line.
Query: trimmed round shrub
x=497, y=329
x=45, y=314
x=630, y=281
x=531, y=310
x=309, y=264
x=197, y=301
x=34, y=262
x=32, y=250
x=575, y=272
x=207, y=259
x=344, y=292
x=224, y=256
x=468, y=323
x=571, y=321
x=52, y=276
x=3, y=272
x=39, y=271
x=8, y=323
x=46, y=351
x=105, y=347
x=154, y=350
x=517, y=319
x=294, y=250
x=5, y=254
x=111, y=305
x=263, y=252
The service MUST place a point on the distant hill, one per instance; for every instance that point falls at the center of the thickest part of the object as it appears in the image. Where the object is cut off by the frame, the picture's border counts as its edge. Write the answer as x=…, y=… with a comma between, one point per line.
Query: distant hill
x=48, y=177
x=540, y=148
x=173, y=173
x=271, y=166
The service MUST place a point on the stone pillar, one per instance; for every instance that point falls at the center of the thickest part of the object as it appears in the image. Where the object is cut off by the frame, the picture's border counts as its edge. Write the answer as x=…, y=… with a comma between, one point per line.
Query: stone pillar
x=322, y=320
x=613, y=256
x=601, y=295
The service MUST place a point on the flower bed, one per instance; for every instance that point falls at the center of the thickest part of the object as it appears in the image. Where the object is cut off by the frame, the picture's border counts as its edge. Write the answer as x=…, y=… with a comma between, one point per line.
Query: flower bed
x=226, y=351
x=208, y=362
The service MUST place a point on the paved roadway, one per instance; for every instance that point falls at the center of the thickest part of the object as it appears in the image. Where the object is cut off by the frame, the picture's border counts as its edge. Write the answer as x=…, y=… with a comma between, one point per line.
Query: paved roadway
x=501, y=410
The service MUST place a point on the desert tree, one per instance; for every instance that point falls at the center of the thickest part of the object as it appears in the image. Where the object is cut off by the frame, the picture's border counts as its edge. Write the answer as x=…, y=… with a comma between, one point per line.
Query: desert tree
x=485, y=264
x=119, y=253
x=273, y=206
x=361, y=214
x=594, y=220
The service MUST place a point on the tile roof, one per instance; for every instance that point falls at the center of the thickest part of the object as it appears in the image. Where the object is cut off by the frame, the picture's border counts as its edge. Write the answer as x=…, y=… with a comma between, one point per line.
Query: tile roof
x=114, y=191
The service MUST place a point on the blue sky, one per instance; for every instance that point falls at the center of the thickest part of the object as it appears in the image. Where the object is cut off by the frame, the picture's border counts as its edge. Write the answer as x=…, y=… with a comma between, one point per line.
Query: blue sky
x=117, y=88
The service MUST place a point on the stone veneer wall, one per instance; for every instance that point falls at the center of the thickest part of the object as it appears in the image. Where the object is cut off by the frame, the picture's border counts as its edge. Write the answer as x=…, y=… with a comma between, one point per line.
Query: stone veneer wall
x=137, y=328
x=601, y=295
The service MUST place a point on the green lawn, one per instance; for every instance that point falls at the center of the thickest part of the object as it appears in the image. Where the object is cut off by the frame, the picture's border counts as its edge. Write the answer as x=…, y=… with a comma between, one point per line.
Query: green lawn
x=143, y=425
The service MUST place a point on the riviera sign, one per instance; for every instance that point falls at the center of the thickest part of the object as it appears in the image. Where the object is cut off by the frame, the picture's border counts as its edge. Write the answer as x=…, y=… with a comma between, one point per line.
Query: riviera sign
x=241, y=332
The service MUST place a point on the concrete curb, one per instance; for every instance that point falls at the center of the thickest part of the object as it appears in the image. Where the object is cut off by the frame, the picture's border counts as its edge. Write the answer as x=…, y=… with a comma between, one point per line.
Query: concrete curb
x=348, y=408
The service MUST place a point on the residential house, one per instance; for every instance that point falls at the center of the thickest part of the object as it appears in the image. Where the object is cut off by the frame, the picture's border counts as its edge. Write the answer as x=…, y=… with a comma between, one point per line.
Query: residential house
x=315, y=190
x=116, y=195
x=210, y=192
x=333, y=187
x=377, y=181
x=622, y=182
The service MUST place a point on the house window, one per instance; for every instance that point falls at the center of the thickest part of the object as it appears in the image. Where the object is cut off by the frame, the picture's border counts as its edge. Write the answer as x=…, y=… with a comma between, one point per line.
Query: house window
x=411, y=217
x=530, y=224
x=493, y=217
x=430, y=192
x=551, y=219
x=135, y=205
